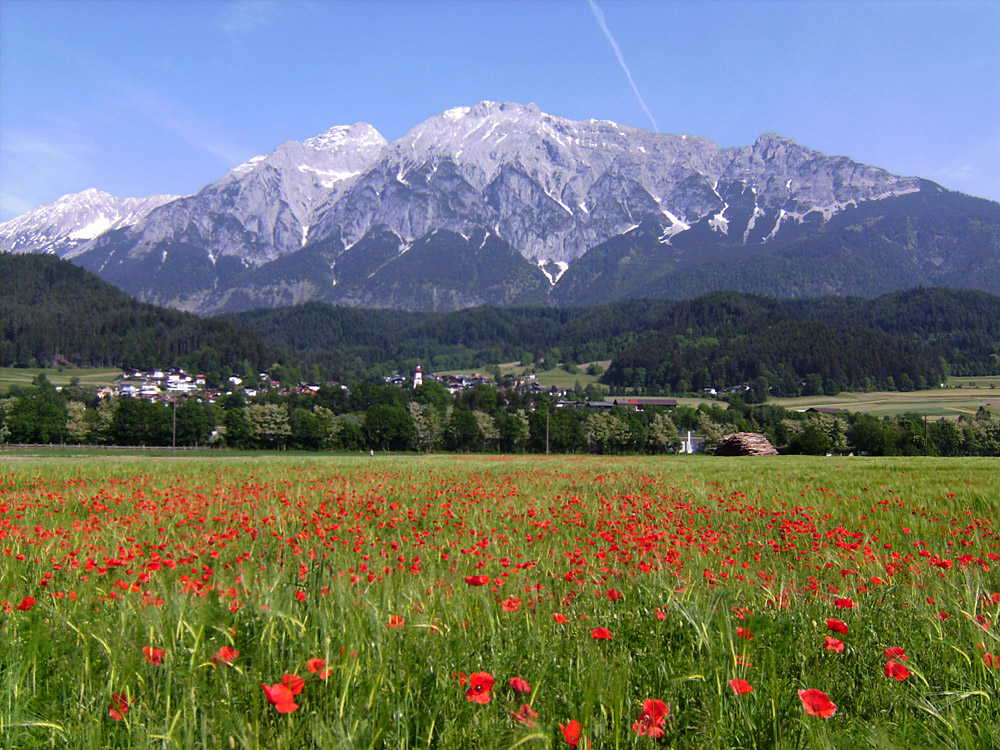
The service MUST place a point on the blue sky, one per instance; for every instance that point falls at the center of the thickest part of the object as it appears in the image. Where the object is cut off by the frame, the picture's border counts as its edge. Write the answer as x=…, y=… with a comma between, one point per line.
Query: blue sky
x=137, y=98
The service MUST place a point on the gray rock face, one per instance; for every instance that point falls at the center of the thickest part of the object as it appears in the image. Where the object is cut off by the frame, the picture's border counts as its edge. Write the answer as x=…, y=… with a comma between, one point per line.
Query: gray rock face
x=65, y=227
x=333, y=217
x=264, y=208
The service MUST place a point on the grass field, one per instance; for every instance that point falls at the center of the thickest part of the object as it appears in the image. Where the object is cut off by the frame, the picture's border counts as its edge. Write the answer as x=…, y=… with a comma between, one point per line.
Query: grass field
x=937, y=403
x=499, y=602
x=90, y=377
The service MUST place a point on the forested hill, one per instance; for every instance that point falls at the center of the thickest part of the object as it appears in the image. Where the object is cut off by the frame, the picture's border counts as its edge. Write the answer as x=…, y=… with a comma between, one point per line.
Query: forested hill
x=732, y=337
x=55, y=312
x=349, y=339
x=722, y=339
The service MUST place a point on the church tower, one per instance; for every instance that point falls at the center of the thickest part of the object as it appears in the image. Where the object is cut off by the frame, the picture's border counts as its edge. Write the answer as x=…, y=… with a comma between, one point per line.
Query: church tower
x=418, y=377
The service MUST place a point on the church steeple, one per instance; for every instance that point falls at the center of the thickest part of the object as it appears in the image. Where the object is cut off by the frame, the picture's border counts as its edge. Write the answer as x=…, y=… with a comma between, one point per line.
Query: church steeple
x=418, y=377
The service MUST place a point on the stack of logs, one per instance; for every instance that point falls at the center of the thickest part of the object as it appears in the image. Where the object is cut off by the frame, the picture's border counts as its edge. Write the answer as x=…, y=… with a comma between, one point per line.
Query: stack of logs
x=745, y=444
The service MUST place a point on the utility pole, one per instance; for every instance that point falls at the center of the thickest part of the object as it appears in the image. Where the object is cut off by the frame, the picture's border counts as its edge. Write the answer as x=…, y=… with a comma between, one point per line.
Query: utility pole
x=173, y=429
x=548, y=411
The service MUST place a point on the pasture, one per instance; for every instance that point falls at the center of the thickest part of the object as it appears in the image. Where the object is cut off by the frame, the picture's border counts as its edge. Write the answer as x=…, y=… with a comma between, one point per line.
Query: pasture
x=59, y=376
x=499, y=602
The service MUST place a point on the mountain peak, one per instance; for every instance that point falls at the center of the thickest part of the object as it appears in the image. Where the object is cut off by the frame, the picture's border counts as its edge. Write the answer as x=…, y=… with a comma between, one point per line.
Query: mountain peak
x=358, y=134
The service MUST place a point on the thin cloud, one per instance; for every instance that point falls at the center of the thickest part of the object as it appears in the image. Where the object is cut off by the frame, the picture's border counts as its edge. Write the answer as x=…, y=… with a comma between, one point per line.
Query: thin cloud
x=36, y=166
x=599, y=15
x=177, y=119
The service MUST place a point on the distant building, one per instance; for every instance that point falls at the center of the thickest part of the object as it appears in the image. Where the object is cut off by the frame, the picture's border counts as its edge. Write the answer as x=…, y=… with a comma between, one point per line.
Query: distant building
x=418, y=377
x=640, y=405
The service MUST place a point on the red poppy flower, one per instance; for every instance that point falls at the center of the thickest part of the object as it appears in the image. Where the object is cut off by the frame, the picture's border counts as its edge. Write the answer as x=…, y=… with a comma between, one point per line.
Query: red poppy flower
x=511, y=604
x=843, y=603
x=836, y=625
x=26, y=604
x=896, y=670
x=943, y=616
x=558, y=617
x=281, y=698
x=462, y=678
x=833, y=644
x=816, y=703
x=225, y=655
x=660, y=614
x=294, y=683
x=153, y=655
x=520, y=685
x=991, y=660
x=316, y=665
x=525, y=715
x=395, y=621
x=480, y=685
x=600, y=634
x=571, y=732
x=745, y=633
x=740, y=686
x=653, y=719
x=119, y=706
x=895, y=652
x=477, y=580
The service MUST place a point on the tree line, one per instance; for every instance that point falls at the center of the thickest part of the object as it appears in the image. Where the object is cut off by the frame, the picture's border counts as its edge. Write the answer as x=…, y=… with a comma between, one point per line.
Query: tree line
x=373, y=416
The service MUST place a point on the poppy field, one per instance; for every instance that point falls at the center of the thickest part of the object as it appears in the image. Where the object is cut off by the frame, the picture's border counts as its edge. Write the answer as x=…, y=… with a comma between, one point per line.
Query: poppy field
x=495, y=602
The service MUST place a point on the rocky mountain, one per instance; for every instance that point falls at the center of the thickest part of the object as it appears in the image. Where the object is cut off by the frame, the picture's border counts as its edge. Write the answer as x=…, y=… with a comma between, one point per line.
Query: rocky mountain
x=502, y=204
x=67, y=226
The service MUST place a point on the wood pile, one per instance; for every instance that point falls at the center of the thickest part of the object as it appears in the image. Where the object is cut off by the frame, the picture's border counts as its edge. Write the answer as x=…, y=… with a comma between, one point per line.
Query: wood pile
x=745, y=444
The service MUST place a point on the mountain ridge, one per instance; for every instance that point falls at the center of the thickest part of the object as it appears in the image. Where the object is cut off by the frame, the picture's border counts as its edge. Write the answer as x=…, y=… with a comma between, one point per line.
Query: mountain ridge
x=556, y=210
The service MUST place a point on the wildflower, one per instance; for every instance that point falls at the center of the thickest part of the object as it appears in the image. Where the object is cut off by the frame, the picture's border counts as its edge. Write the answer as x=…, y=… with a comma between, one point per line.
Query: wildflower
x=280, y=697
x=600, y=634
x=520, y=685
x=816, y=703
x=525, y=715
x=225, y=655
x=942, y=616
x=740, y=686
x=395, y=621
x=991, y=660
x=477, y=580
x=745, y=633
x=895, y=652
x=843, y=603
x=511, y=604
x=462, y=678
x=836, y=626
x=571, y=732
x=833, y=644
x=293, y=682
x=480, y=685
x=26, y=604
x=896, y=670
x=615, y=595
x=119, y=706
x=661, y=615
x=558, y=617
x=653, y=719
x=318, y=666
x=153, y=655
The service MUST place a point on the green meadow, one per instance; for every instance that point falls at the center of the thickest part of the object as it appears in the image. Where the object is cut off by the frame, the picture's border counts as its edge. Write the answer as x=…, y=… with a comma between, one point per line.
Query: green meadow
x=292, y=602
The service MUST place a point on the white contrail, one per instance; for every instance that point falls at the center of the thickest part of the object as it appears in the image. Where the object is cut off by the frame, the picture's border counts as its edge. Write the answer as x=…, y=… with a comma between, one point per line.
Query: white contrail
x=599, y=15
